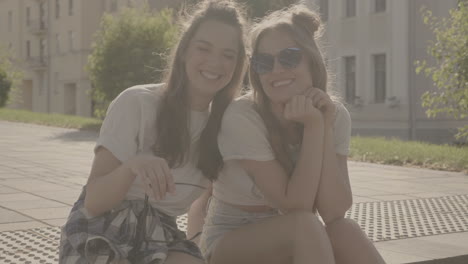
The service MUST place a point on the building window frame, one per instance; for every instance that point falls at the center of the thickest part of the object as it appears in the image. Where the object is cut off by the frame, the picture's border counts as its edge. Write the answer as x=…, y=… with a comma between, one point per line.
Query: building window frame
x=10, y=21
x=379, y=61
x=350, y=8
x=57, y=9
x=323, y=5
x=350, y=78
x=28, y=49
x=57, y=43
x=28, y=16
x=71, y=7
x=113, y=6
x=71, y=40
x=380, y=6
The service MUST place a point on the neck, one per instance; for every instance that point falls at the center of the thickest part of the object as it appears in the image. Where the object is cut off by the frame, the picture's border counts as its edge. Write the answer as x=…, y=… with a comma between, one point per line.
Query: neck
x=200, y=103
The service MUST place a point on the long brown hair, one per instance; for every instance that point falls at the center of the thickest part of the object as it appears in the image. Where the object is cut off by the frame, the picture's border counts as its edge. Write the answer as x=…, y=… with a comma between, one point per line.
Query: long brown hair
x=304, y=27
x=173, y=135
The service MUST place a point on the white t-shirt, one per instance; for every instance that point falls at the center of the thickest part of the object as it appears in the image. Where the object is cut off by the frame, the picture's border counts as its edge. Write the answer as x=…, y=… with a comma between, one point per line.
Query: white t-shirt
x=243, y=135
x=130, y=129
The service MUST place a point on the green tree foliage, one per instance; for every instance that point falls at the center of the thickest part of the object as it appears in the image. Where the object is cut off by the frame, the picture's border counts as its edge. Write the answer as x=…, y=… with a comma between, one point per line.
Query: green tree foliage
x=450, y=72
x=255, y=8
x=5, y=85
x=10, y=79
x=259, y=8
x=130, y=48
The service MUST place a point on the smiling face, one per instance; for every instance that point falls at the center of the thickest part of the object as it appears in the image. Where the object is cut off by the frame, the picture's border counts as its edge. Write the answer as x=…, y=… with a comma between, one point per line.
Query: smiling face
x=211, y=60
x=282, y=83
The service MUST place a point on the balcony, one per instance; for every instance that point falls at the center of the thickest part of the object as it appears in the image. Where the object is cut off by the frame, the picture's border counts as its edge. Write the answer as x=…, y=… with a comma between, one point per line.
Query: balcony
x=37, y=63
x=38, y=27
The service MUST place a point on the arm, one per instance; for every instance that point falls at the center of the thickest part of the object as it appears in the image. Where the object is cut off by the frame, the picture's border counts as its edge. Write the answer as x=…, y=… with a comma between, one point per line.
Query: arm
x=334, y=195
x=297, y=191
x=196, y=215
x=110, y=180
x=107, y=184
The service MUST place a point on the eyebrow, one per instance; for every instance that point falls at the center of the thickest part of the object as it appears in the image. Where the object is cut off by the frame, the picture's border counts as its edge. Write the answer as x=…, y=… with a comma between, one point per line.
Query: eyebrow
x=209, y=44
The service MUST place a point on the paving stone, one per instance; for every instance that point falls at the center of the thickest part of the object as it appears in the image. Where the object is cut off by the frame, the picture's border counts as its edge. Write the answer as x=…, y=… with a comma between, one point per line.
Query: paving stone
x=21, y=226
x=8, y=216
x=47, y=213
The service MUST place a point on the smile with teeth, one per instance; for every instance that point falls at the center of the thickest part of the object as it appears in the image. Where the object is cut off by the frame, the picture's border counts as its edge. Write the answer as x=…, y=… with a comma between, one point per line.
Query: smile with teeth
x=210, y=75
x=282, y=82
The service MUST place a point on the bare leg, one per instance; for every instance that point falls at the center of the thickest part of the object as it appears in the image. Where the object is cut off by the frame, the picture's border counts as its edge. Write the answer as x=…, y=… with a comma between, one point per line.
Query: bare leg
x=297, y=238
x=182, y=258
x=350, y=244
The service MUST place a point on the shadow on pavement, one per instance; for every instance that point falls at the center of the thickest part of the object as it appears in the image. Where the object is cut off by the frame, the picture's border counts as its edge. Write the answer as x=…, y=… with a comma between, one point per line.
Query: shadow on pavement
x=77, y=136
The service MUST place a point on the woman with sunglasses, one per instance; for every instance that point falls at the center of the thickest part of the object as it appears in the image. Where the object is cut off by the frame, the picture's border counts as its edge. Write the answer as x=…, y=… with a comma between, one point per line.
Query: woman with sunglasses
x=284, y=148
x=155, y=145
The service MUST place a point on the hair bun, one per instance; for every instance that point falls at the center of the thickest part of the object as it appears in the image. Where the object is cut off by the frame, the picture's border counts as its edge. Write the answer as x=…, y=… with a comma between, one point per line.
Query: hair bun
x=306, y=19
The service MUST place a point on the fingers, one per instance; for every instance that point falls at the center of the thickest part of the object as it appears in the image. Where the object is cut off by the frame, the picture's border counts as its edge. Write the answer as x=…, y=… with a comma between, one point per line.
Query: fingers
x=146, y=185
x=169, y=179
x=161, y=178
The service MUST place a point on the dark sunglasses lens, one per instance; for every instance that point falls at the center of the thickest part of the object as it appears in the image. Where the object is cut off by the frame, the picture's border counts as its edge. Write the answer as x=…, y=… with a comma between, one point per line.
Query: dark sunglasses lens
x=262, y=63
x=290, y=57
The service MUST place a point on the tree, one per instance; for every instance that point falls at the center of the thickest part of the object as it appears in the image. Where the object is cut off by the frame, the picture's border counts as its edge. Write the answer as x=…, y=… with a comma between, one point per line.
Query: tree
x=129, y=49
x=259, y=8
x=450, y=72
x=10, y=79
x=255, y=8
x=5, y=85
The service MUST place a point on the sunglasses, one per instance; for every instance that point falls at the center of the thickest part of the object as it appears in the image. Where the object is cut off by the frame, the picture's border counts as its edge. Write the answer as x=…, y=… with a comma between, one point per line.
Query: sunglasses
x=289, y=58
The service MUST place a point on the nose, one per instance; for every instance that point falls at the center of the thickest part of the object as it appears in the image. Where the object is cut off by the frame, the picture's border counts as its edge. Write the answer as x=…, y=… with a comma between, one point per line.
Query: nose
x=215, y=60
x=277, y=67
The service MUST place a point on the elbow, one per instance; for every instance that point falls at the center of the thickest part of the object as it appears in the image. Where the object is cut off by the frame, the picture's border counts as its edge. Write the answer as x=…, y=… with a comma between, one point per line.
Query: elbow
x=337, y=210
x=297, y=205
x=91, y=209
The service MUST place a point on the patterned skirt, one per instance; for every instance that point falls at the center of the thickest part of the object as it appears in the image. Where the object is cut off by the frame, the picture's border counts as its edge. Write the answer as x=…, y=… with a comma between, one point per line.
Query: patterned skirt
x=133, y=232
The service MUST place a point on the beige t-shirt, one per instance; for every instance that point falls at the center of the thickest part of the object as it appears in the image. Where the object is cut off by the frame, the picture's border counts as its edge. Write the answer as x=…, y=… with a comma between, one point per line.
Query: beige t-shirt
x=243, y=135
x=130, y=129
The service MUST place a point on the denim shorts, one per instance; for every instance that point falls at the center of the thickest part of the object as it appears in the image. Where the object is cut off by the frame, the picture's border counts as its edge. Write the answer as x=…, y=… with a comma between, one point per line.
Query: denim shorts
x=222, y=218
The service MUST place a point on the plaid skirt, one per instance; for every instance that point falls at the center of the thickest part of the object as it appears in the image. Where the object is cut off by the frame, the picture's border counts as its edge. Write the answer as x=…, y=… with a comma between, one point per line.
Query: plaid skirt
x=116, y=237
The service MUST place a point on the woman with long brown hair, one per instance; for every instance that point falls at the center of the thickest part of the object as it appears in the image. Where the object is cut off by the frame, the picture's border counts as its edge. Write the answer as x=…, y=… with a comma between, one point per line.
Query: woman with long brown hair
x=285, y=149
x=155, y=146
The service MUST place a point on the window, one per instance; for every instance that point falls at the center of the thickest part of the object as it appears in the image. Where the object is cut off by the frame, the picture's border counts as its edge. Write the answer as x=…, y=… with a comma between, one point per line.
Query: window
x=42, y=19
x=57, y=9
x=380, y=6
x=113, y=5
x=42, y=44
x=10, y=21
x=28, y=49
x=71, y=38
x=350, y=79
x=350, y=8
x=70, y=7
x=57, y=43
x=28, y=16
x=380, y=78
x=324, y=9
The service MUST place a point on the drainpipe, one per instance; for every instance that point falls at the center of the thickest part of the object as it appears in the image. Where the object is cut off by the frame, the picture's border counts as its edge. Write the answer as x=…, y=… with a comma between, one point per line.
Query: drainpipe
x=411, y=81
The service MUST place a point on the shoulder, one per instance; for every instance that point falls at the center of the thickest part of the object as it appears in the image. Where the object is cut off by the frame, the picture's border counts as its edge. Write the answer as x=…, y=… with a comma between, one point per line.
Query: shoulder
x=143, y=92
x=143, y=97
x=243, y=106
x=342, y=116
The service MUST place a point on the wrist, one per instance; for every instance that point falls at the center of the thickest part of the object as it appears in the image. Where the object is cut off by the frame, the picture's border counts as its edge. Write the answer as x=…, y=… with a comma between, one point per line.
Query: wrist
x=317, y=122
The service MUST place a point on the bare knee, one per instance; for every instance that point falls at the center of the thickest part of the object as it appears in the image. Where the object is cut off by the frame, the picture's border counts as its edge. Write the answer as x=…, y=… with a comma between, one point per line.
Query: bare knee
x=306, y=224
x=342, y=224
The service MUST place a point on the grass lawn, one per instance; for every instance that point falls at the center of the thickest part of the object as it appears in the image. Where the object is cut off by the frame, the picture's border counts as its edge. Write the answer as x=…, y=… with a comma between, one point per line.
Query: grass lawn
x=409, y=153
x=58, y=120
x=367, y=149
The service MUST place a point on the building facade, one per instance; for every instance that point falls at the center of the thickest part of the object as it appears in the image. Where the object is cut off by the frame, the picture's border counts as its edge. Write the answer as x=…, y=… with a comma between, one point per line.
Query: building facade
x=51, y=40
x=371, y=47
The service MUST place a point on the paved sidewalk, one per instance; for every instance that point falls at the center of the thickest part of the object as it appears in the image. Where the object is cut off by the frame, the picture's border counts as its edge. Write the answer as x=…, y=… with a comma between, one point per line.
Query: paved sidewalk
x=412, y=214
